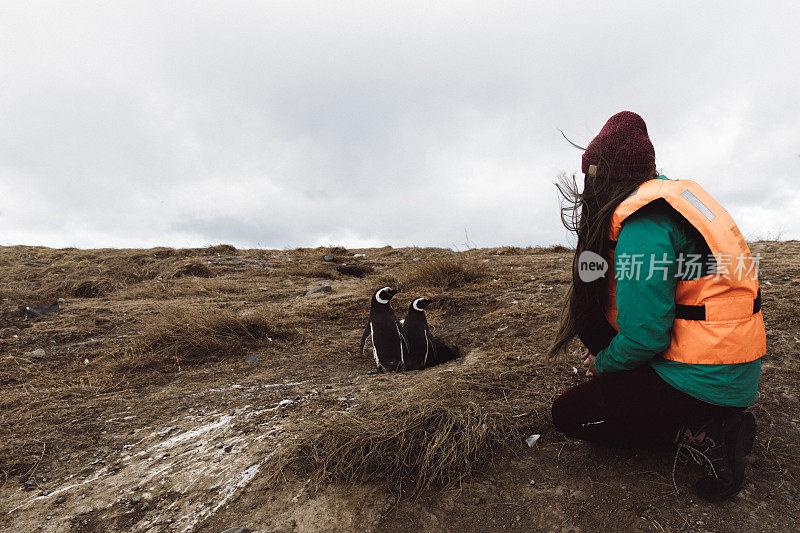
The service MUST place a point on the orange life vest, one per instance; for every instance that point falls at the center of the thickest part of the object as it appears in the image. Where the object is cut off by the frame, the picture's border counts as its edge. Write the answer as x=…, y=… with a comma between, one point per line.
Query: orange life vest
x=718, y=316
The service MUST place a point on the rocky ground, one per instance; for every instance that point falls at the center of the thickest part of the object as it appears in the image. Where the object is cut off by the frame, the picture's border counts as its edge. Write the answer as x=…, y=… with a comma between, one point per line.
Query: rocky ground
x=160, y=393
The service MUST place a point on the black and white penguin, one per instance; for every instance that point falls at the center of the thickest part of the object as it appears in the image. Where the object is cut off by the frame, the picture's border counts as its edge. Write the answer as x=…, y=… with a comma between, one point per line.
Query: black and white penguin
x=418, y=335
x=424, y=350
x=388, y=344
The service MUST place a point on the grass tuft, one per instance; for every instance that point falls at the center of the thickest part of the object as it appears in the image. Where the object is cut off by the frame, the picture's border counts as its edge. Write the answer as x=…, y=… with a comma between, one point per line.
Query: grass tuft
x=193, y=267
x=91, y=288
x=433, y=432
x=358, y=271
x=190, y=336
x=221, y=249
x=446, y=273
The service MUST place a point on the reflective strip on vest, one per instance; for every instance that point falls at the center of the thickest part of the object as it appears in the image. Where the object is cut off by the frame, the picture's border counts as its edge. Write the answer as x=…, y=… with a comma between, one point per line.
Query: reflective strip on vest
x=695, y=201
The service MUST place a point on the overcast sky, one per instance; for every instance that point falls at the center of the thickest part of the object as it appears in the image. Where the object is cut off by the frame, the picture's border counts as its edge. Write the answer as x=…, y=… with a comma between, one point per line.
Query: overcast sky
x=284, y=124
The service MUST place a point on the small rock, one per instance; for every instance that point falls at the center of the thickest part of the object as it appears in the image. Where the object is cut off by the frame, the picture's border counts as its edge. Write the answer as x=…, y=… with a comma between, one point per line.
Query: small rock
x=252, y=359
x=136, y=499
x=532, y=482
x=34, y=311
x=318, y=289
x=359, y=255
x=531, y=441
x=237, y=530
x=30, y=484
x=256, y=262
x=60, y=500
x=228, y=449
x=416, y=259
x=293, y=522
x=39, y=352
x=328, y=258
x=580, y=496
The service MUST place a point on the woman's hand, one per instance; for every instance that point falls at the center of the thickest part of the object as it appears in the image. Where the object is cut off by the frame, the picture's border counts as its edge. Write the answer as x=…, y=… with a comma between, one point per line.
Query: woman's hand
x=588, y=362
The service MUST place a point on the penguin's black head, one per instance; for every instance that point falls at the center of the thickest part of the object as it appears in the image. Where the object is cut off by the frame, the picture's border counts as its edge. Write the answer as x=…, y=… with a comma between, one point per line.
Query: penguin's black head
x=382, y=296
x=420, y=304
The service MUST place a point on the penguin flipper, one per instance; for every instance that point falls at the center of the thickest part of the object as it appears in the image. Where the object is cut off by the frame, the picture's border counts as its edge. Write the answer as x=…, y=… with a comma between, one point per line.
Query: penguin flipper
x=432, y=359
x=364, y=339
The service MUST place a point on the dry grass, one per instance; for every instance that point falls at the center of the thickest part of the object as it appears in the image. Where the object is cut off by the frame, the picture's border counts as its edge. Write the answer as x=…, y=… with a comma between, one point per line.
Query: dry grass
x=434, y=431
x=32, y=274
x=221, y=249
x=192, y=267
x=189, y=336
x=446, y=272
x=415, y=429
x=91, y=288
x=509, y=250
x=357, y=271
x=306, y=270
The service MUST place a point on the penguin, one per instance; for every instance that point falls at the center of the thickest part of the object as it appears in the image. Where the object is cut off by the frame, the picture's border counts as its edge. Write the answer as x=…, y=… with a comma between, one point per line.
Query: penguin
x=424, y=350
x=389, y=346
x=418, y=335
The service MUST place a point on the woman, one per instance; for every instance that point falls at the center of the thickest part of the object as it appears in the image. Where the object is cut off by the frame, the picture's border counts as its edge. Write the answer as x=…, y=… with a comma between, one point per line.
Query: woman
x=673, y=330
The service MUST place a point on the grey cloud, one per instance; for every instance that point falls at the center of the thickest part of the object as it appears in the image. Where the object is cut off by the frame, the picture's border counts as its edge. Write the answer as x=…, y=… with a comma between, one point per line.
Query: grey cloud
x=279, y=124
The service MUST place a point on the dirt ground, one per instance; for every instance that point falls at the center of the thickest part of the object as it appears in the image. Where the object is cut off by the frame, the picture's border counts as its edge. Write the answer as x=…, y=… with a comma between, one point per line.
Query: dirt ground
x=107, y=423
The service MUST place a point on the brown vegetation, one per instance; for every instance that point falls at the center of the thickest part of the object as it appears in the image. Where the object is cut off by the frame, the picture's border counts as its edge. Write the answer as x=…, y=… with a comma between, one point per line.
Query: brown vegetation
x=181, y=336
x=433, y=431
x=445, y=272
x=149, y=340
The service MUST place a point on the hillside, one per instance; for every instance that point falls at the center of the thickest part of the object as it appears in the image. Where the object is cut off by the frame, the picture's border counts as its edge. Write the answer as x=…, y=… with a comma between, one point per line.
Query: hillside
x=202, y=389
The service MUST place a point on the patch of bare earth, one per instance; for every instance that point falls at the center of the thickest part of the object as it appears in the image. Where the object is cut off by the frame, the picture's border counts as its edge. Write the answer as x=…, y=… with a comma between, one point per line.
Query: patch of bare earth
x=196, y=390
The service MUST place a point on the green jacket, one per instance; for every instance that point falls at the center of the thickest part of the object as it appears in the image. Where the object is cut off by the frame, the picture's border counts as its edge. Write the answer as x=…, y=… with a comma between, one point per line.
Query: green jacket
x=646, y=309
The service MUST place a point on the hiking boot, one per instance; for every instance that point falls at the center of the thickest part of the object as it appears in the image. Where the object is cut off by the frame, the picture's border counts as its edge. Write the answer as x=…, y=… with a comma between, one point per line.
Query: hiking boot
x=749, y=429
x=720, y=446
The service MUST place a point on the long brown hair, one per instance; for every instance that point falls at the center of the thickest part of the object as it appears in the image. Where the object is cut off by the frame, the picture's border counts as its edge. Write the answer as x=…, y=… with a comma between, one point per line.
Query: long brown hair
x=588, y=214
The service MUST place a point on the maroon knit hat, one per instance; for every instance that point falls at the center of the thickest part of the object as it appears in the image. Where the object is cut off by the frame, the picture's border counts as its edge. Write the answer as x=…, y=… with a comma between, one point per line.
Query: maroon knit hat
x=622, y=149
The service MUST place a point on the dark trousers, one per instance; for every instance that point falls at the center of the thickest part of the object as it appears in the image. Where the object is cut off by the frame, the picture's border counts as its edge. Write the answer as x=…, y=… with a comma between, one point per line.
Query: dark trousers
x=630, y=408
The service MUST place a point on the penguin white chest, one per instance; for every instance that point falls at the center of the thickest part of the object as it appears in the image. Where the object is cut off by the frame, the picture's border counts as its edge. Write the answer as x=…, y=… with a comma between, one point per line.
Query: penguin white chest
x=374, y=350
